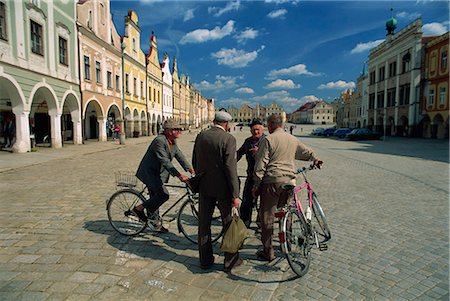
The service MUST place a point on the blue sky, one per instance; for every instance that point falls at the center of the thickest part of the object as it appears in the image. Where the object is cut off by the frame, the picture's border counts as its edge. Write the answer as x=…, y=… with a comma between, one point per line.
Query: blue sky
x=275, y=50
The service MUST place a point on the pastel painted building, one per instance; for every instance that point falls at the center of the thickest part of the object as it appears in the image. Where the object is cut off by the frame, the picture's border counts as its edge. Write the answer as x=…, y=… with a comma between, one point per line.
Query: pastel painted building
x=101, y=69
x=135, y=103
x=39, y=83
x=167, y=100
x=154, y=87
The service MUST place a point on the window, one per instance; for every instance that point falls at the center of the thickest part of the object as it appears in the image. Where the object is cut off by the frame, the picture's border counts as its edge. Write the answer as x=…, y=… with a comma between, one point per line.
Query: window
x=392, y=69
x=3, y=34
x=381, y=74
x=442, y=95
x=126, y=83
x=142, y=89
x=98, y=72
x=431, y=97
x=117, y=82
x=134, y=86
x=36, y=38
x=372, y=77
x=444, y=62
x=109, y=79
x=89, y=21
x=380, y=100
x=391, y=97
x=63, y=51
x=87, y=68
x=372, y=101
x=405, y=62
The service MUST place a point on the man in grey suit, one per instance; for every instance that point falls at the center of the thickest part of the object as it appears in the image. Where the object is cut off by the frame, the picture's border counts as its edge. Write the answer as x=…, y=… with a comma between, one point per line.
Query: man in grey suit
x=156, y=167
x=215, y=156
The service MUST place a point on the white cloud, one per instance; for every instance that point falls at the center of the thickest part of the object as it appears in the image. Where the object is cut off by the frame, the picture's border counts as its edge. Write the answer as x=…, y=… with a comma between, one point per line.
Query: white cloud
x=339, y=85
x=282, y=97
x=279, y=13
x=221, y=83
x=282, y=84
x=361, y=47
x=235, y=58
x=245, y=90
x=189, y=14
x=237, y=102
x=309, y=98
x=204, y=35
x=407, y=16
x=294, y=70
x=229, y=7
x=248, y=33
x=435, y=29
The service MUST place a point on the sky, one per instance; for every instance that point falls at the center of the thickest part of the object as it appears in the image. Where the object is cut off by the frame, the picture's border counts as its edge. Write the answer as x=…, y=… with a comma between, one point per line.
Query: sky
x=248, y=52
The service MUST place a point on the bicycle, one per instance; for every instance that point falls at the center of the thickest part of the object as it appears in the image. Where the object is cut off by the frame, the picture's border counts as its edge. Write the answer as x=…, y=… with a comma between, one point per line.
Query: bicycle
x=297, y=232
x=119, y=207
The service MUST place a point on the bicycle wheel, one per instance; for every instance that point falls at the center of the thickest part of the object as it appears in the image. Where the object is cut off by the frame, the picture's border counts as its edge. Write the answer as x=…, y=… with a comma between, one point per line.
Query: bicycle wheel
x=324, y=230
x=187, y=221
x=296, y=244
x=119, y=212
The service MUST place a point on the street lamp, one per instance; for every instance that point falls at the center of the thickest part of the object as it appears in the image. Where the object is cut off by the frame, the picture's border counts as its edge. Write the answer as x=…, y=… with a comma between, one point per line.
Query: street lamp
x=122, y=134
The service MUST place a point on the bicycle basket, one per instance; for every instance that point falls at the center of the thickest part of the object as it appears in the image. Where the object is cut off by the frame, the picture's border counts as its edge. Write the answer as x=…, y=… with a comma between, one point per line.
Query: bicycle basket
x=125, y=179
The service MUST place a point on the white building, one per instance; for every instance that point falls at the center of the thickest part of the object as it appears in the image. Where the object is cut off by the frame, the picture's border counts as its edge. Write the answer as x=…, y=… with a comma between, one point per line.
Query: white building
x=167, y=88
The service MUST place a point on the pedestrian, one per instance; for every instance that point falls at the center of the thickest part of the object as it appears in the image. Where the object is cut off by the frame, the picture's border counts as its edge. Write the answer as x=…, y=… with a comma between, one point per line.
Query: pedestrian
x=249, y=149
x=291, y=129
x=9, y=129
x=215, y=155
x=117, y=131
x=274, y=167
x=156, y=168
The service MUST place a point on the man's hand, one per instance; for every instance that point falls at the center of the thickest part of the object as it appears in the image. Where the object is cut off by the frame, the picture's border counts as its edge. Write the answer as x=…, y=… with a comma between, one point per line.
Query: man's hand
x=317, y=164
x=192, y=171
x=236, y=202
x=183, y=178
x=254, y=150
x=255, y=192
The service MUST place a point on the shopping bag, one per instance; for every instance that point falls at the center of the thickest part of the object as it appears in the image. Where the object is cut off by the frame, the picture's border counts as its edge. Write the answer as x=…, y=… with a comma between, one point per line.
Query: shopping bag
x=235, y=235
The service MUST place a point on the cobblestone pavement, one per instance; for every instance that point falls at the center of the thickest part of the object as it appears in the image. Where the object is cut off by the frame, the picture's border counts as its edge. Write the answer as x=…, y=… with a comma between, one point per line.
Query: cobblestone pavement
x=387, y=203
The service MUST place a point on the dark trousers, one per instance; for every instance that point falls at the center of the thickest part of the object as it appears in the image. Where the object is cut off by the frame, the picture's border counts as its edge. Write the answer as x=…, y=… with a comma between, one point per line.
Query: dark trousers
x=272, y=196
x=206, y=209
x=158, y=196
x=248, y=202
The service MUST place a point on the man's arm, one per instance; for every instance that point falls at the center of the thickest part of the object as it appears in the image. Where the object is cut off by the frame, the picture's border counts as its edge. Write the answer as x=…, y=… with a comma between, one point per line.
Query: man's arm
x=241, y=151
x=182, y=160
x=307, y=154
x=262, y=157
x=163, y=157
x=230, y=166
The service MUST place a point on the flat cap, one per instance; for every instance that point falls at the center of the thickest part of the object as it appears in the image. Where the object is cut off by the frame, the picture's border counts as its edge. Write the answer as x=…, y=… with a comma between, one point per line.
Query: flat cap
x=171, y=124
x=222, y=116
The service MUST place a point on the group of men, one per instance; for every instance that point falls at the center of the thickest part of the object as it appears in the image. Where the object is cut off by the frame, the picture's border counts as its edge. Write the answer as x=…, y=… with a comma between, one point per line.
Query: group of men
x=271, y=164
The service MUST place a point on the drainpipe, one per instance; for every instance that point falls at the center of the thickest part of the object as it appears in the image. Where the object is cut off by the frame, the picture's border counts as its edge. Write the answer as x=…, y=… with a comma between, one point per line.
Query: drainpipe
x=122, y=134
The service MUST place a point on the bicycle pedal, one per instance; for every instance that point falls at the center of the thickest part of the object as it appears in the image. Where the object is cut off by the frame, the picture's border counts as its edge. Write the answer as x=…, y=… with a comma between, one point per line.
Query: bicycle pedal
x=323, y=247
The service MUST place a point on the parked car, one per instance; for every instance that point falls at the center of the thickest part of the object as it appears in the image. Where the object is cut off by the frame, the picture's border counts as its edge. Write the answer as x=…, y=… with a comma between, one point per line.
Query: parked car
x=341, y=133
x=328, y=132
x=362, y=134
x=317, y=131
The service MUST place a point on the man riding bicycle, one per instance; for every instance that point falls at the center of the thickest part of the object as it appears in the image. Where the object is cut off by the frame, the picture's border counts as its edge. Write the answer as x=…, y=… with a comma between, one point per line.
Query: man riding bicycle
x=155, y=169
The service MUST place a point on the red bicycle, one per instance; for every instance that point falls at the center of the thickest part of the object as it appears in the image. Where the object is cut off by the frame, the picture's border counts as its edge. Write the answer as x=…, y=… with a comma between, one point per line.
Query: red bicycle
x=298, y=233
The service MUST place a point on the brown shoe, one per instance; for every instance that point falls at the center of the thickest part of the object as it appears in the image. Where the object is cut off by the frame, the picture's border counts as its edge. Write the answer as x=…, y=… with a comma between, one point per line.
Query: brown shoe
x=263, y=256
x=237, y=263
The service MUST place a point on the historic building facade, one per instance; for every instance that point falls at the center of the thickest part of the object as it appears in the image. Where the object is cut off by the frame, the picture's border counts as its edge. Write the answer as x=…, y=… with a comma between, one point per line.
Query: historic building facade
x=135, y=103
x=167, y=100
x=435, y=100
x=39, y=80
x=176, y=91
x=101, y=69
x=394, y=81
x=154, y=87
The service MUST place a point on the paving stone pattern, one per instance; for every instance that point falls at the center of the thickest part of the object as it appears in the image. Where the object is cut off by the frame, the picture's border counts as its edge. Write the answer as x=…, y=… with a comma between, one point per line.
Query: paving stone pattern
x=386, y=203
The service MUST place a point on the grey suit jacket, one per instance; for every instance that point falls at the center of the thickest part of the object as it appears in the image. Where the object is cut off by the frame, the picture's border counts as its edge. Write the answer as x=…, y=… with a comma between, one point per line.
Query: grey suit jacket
x=156, y=165
x=215, y=154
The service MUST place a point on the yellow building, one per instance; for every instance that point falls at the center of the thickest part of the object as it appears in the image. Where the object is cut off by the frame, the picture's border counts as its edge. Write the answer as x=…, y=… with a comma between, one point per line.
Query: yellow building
x=154, y=87
x=135, y=104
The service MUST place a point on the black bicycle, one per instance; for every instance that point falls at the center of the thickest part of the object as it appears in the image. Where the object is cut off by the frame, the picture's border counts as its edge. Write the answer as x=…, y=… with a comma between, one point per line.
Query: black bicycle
x=119, y=207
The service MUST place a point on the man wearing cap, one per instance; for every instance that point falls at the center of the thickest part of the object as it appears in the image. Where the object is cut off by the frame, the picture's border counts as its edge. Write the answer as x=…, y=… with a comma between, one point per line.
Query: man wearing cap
x=275, y=166
x=249, y=149
x=215, y=156
x=156, y=167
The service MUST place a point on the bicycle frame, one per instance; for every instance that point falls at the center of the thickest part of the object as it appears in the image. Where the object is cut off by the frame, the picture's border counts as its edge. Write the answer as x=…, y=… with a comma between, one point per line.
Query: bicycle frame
x=297, y=202
x=188, y=193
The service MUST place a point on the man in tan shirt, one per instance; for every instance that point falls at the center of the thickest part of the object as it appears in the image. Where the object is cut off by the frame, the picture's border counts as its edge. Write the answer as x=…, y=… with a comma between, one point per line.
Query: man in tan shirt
x=274, y=167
